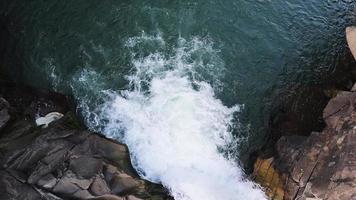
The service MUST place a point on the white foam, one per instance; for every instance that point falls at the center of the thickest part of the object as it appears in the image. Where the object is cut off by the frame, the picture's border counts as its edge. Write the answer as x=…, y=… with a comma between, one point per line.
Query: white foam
x=175, y=127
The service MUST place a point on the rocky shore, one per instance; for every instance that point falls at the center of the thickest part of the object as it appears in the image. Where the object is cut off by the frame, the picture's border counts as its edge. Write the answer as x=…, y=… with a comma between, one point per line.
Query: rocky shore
x=316, y=165
x=63, y=160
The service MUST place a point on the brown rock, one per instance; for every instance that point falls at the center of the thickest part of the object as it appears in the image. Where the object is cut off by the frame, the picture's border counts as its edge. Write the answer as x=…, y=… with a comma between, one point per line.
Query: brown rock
x=82, y=194
x=99, y=187
x=341, y=106
x=123, y=184
x=109, y=172
x=86, y=166
x=351, y=39
x=65, y=186
x=323, y=165
x=266, y=174
x=131, y=197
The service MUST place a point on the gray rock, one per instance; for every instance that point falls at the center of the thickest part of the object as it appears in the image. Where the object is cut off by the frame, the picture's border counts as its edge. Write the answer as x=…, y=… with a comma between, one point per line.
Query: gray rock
x=99, y=187
x=48, y=181
x=65, y=186
x=86, y=166
x=82, y=194
x=4, y=112
x=11, y=188
x=65, y=161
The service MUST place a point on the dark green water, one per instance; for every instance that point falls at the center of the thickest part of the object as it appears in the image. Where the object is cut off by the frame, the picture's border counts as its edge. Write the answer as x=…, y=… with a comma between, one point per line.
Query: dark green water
x=245, y=49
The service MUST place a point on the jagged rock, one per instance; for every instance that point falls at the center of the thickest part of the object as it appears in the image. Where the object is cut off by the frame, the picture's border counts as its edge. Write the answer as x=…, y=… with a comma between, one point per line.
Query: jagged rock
x=64, y=161
x=351, y=39
x=322, y=165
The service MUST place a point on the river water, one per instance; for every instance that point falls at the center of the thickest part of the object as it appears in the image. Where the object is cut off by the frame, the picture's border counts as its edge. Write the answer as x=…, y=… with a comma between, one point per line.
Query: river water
x=184, y=84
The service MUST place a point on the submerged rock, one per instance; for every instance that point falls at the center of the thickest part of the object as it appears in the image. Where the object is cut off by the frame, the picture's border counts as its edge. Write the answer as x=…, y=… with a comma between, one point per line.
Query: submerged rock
x=64, y=161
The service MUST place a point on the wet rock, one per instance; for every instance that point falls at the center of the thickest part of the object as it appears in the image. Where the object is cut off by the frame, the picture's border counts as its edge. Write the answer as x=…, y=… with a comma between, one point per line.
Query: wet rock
x=123, y=184
x=270, y=177
x=63, y=161
x=319, y=166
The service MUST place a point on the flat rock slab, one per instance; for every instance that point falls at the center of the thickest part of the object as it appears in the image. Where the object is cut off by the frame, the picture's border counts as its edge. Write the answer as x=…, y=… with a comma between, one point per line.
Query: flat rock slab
x=351, y=39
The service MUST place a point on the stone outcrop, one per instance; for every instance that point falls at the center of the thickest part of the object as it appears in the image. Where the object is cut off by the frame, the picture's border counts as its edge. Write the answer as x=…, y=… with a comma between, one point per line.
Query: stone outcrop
x=311, y=165
x=64, y=160
x=319, y=166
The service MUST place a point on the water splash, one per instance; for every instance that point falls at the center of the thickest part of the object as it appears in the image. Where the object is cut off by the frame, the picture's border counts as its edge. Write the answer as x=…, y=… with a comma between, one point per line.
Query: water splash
x=175, y=127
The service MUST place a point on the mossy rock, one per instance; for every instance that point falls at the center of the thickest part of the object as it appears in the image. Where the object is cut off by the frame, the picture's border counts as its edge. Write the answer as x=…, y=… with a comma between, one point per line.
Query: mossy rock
x=269, y=177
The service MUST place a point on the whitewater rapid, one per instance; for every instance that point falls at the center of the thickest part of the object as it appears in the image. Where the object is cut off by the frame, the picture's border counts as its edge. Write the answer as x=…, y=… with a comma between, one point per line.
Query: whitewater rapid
x=174, y=126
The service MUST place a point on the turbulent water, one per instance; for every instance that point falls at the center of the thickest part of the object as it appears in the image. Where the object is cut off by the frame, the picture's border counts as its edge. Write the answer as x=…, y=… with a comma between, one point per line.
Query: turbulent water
x=175, y=127
x=183, y=83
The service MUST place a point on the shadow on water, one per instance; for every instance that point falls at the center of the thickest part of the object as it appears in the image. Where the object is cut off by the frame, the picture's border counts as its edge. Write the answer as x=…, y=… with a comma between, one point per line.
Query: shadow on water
x=326, y=66
x=281, y=56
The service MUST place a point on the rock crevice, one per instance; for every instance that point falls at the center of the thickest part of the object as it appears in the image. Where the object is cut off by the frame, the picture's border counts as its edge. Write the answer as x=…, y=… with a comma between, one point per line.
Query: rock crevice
x=63, y=160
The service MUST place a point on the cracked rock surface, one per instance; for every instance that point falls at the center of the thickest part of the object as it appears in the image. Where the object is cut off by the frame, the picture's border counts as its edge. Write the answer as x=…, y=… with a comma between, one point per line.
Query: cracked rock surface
x=319, y=166
x=64, y=161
